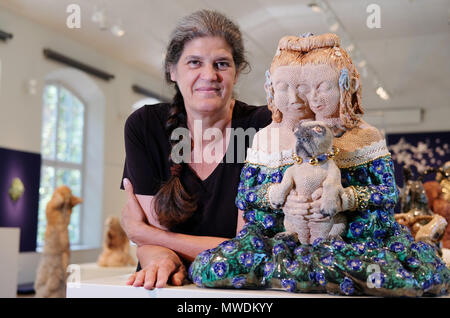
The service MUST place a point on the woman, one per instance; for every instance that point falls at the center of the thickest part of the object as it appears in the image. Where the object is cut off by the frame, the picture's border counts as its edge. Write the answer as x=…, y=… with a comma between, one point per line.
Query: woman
x=376, y=255
x=183, y=208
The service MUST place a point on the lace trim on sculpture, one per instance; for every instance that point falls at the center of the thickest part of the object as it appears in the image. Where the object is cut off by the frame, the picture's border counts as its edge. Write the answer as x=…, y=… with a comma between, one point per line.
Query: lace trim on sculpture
x=270, y=160
x=363, y=155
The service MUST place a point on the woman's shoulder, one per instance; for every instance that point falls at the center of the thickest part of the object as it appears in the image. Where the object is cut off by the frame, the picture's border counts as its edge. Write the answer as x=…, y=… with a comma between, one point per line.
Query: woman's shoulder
x=148, y=118
x=251, y=116
x=148, y=112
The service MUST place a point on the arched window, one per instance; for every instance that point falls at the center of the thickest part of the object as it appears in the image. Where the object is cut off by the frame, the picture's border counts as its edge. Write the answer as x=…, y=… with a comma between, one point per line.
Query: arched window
x=62, y=149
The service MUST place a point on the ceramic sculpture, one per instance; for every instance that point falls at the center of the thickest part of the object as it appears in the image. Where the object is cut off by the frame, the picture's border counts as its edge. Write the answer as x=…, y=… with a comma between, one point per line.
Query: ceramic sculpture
x=313, y=77
x=51, y=273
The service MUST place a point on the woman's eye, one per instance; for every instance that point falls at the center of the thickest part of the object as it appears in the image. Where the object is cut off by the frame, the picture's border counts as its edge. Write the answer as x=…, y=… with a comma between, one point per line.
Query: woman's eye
x=222, y=65
x=194, y=63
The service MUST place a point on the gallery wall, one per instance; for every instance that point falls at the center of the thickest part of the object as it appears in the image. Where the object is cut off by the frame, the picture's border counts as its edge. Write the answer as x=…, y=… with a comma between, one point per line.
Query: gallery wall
x=22, y=61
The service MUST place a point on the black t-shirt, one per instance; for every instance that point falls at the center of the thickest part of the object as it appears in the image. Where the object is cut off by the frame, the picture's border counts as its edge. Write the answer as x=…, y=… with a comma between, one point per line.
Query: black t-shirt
x=147, y=166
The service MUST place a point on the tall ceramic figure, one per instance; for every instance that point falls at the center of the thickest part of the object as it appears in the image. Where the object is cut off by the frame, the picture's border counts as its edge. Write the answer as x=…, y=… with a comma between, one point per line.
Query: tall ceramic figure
x=376, y=255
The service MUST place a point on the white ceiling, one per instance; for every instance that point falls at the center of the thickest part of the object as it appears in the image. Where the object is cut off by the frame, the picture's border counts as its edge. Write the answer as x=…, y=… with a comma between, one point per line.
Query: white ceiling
x=410, y=53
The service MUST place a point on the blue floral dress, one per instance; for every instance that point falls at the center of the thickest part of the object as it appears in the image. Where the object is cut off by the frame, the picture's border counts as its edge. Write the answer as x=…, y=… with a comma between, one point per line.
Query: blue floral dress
x=376, y=255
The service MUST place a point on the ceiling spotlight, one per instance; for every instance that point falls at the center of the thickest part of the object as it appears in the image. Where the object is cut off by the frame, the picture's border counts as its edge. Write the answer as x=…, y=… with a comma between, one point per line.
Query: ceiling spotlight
x=99, y=17
x=117, y=30
x=382, y=93
x=315, y=7
x=334, y=27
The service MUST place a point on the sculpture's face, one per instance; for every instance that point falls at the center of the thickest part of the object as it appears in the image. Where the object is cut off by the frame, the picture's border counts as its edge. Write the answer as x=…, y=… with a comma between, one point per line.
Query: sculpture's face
x=285, y=82
x=319, y=87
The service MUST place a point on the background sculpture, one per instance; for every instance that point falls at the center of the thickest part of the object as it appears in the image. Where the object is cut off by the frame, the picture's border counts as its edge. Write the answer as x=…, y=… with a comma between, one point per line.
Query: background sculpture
x=116, y=246
x=51, y=273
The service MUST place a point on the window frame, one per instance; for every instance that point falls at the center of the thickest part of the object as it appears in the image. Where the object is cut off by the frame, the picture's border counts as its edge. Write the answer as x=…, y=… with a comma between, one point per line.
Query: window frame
x=58, y=164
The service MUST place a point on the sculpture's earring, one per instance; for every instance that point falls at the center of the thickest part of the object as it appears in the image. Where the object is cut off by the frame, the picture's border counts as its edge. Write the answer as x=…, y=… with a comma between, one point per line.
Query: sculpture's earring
x=344, y=81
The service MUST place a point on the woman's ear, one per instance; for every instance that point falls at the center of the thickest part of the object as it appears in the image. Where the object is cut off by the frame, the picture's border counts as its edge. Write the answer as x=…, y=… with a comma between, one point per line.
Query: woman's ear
x=236, y=77
x=173, y=73
x=354, y=84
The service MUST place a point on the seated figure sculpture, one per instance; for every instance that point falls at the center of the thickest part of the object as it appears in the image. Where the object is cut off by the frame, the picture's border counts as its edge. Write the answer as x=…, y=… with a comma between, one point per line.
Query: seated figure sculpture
x=312, y=77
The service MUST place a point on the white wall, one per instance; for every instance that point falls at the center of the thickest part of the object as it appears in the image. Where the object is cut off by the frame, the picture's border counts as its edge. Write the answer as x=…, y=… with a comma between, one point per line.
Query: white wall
x=20, y=113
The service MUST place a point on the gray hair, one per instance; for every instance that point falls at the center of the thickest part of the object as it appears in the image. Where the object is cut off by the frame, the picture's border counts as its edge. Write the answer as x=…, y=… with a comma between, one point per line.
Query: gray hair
x=201, y=24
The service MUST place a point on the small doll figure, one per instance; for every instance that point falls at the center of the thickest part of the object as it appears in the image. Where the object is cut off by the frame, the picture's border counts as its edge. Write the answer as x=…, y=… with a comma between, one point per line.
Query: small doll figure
x=313, y=175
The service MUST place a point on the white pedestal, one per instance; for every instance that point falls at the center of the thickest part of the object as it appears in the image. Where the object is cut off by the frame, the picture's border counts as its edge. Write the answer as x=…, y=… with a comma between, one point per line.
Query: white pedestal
x=9, y=261
x=114, y=286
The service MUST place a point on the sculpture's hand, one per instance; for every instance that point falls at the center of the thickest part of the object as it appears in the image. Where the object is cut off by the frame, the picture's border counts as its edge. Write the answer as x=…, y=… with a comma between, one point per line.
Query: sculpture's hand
x=330, y=202
x=296, y=204
x=317, y=194
x=276, y=195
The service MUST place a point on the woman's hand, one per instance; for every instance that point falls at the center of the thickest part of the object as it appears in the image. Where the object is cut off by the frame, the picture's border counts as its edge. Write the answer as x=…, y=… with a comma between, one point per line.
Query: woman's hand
x=296, y=204
x=159, y=264
x=133, y=217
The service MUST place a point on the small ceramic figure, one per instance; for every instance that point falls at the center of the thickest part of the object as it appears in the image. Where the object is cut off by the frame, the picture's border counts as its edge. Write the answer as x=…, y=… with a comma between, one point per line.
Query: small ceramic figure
x=51, y=274
x=438, y=194
x=116, y=246
x=425, y=225
x=313, y=175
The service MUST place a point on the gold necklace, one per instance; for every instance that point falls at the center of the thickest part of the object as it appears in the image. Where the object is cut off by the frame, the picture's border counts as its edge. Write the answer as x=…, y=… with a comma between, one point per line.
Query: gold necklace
x=316, y=160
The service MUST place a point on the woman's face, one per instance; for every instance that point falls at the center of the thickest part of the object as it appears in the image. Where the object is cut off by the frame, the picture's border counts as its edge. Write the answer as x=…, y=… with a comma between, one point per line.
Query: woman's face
x=320, y=88
x=205, y=75
x=285, y=82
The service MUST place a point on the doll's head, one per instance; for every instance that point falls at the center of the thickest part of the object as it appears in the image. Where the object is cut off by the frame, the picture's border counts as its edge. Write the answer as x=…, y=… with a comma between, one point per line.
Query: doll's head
x=323, y=74
x=314, y=138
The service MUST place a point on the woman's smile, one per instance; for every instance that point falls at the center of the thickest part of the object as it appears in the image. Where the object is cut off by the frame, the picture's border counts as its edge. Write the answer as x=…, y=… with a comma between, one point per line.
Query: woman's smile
x=208, y=90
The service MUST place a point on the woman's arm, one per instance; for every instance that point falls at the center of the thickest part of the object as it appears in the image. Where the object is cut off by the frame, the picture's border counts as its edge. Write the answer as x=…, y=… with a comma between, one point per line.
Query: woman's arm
x=152, y=233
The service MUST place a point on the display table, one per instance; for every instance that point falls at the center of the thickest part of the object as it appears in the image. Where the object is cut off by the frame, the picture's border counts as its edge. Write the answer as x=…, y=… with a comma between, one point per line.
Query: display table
x=114, y=286
x=9, y=261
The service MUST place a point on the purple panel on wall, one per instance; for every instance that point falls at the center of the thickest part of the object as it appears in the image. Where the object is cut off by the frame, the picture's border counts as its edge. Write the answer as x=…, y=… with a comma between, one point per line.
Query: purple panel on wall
x=22, y=213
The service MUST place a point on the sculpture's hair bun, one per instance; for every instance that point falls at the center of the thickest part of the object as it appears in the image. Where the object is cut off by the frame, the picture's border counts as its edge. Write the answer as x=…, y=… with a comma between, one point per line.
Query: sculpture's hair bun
x=309, y=42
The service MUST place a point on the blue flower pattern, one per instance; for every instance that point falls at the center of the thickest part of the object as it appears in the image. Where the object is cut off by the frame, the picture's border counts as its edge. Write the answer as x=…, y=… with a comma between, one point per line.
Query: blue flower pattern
x=373, y=238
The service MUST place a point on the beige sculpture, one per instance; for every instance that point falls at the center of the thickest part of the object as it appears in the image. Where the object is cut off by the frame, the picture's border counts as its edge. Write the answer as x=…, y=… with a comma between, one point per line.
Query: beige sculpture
x=116, y=246
x=51, y=273
x=313, y=178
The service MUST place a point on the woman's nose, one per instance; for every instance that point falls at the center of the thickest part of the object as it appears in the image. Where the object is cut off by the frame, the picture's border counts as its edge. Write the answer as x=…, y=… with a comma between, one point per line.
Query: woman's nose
x=209, y=73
